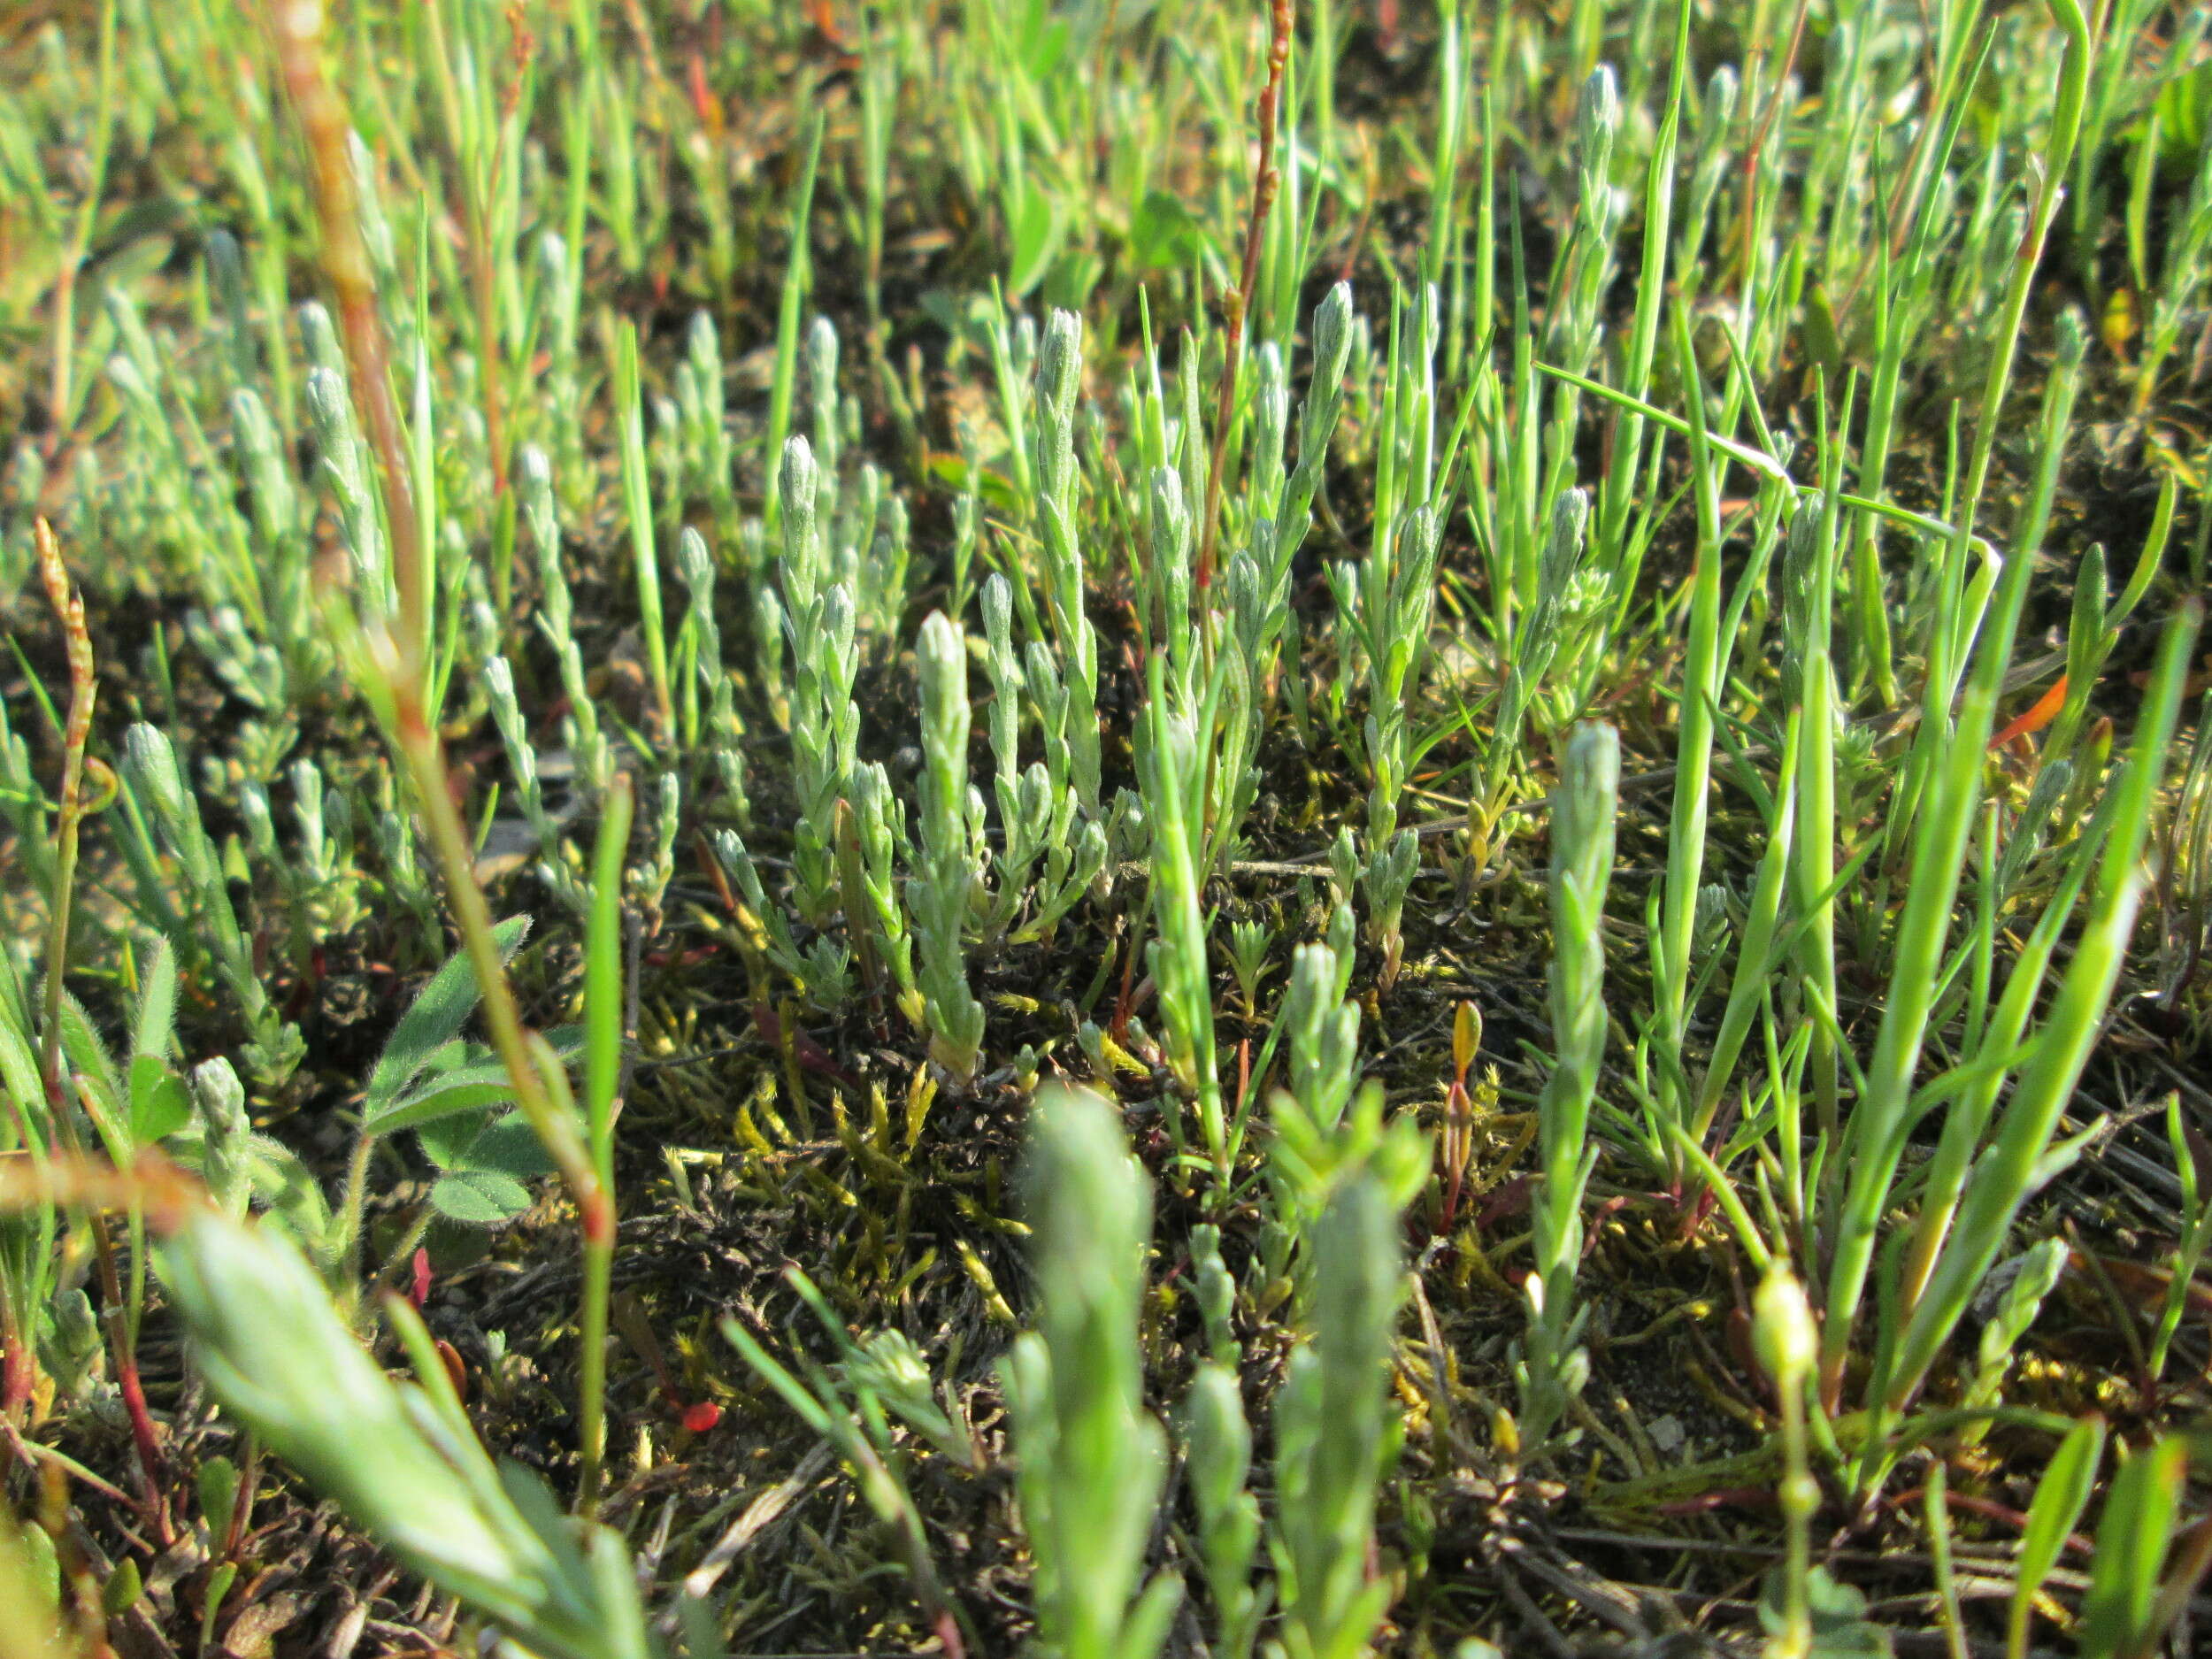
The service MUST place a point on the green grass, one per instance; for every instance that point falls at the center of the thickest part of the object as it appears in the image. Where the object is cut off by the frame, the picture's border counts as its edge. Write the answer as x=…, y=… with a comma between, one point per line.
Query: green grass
x=964, y=824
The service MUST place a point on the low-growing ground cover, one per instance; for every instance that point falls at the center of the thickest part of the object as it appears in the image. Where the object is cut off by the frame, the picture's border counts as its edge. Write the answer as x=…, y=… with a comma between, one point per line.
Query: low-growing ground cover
x=1133, y=827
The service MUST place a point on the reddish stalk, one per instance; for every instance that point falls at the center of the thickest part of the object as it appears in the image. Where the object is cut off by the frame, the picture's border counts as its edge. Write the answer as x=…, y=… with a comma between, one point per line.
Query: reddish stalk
x=1766, y=122
x=1456, y=1145
x=115, y=1310
x=15, y=1365
x=1239, y=302
x=476, y=210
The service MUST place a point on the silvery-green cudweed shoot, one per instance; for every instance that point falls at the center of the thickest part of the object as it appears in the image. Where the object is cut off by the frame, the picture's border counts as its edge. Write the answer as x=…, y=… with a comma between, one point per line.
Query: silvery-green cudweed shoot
x=276, y=1046
x=1600, y=211
x=1537, y=638
x=1218, y=1443
x=1007, y=584
x=1059, y=384
x=776, y=939
x=317, y=873
x=1318, y=412
x=586, y=743
x=880, y=846
x=1384, y=881
x=1250, y=941
x=722, y=731
x=498, y=680
x=1336, y=1433
x=1037, y=806
x=1553, y=1366
x=945, y=877
x=1093, y=1461
x=818, y=622
x=1324, y=1035
x=707, y=457
x=1168, y=760
x=1386, y=601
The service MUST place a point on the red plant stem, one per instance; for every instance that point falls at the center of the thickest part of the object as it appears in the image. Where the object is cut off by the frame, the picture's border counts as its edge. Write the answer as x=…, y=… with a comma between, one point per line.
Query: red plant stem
x=1759, y=138
x=1236, y=304
x=133, y=1389
x=1458, y=1134
x=476, y=221
x=1989, y=1509
x=84, y=690
x=15, y=1364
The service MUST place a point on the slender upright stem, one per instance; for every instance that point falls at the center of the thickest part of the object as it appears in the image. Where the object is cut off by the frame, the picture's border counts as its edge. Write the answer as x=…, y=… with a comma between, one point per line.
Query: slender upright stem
x=323, y=120
x=62, y=387
x=396, y=646
x=1950, y=748
x=604, y=1027
x=84, y=689
x=76, y=733
x=1237, y=303
x=476, y=186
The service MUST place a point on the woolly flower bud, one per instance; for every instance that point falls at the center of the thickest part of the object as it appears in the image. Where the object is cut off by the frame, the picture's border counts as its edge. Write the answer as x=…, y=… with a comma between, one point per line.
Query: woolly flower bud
x=821, y=358
x=1720, y=97
x=1171, y=516
x=798, y=479
x=1333, y=333
x=1060, y=364
x=1583, y=804
x=2073, y=339
x=943, y=656
x=1597, y=119
x=153, y=763
x=693, y=560
x=1563, y=548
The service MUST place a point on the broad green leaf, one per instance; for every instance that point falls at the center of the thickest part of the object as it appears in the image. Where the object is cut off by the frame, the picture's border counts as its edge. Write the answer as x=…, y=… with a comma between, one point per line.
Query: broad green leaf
x=160, y=1103
x=446, y=1141
x=1033, y=227
x=1840, y=1629
x=1042, y=41
x=290, y=1190
x=996, y=488
x=445, y=1094
x=153, y=1027
x=219, y=1493
x=102, y=1094
x=37, y=1568
x=18, y=1076
x=1164, y=235
x=463, y=1078
x=479, y=1199
x=1841, y=1626
x=2182, y=105
x=460, y=1076
x=436, y=1016
x=510, y=1147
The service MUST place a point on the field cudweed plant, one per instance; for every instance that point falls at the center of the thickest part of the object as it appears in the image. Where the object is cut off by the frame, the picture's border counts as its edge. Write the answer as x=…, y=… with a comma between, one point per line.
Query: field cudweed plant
x=1306, y=830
